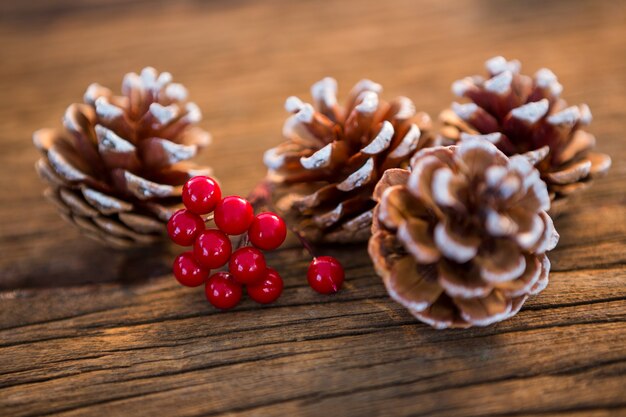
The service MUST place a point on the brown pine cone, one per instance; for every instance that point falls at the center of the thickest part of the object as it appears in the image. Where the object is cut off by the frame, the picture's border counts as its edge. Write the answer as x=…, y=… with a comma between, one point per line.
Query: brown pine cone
x=524, y=115
x=117, y=168
x=460, y=240
x=324, y=174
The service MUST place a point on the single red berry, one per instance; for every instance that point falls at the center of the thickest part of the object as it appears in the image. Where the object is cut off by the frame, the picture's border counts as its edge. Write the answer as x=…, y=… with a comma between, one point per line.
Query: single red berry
x=188, y=272
x=233, y=215
x=212, y=248
x=201, y=194
x=267, y=231
x=247, y=265
x=184, y=226
x=268, y=289
x=325, y=275
x=222, y=291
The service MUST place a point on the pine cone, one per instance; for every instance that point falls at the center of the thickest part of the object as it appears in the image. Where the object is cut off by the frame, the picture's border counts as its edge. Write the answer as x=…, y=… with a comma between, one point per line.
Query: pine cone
x=524, y=115
x=460, y=240
x=117, y=169
x=324, y=174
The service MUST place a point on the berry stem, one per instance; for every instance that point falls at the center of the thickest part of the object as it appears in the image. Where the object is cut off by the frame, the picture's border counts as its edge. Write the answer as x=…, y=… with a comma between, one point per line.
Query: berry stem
x=261, y=196
x=305, y=243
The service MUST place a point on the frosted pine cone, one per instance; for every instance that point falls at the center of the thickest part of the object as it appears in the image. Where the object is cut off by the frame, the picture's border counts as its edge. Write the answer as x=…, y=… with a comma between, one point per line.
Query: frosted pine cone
x=524, y=115
x=117, y=169
x=460, y=240
x=324, y=174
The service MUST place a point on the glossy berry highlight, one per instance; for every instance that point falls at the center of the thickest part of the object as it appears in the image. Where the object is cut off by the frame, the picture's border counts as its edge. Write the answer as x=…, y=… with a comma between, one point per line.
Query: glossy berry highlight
x=188, y=272
x=212, y=248
x=268, y=289
x=247, y=265
x=233, y=215
x=267, y=231
x=222, y=291
x=201, y=194
x=184, y=226
x=325, y=275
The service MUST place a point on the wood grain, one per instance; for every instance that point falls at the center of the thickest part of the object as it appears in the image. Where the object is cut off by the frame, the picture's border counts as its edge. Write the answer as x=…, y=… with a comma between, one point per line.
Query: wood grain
x=90, y=331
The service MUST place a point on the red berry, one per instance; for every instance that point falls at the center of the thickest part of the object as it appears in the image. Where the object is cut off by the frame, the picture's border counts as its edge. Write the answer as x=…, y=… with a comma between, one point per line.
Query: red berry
x=222, y=291
x=233, y=215
x=184, y=226
x=188, y=272
x=201, y=194
x=268, y=231
x=247, y=265
x=325, y=275
x=268, y=289
x=212, y=248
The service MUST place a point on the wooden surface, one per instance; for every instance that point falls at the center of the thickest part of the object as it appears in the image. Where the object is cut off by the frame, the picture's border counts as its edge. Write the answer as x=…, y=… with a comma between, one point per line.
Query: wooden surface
x=89, y=331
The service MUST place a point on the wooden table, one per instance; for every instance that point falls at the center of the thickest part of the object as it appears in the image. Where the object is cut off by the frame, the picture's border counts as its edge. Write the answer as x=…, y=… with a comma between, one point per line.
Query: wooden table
x=90, y=331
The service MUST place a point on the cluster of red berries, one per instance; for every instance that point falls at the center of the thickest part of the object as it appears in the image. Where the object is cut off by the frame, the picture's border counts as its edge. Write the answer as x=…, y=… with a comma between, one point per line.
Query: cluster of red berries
x=212, y=248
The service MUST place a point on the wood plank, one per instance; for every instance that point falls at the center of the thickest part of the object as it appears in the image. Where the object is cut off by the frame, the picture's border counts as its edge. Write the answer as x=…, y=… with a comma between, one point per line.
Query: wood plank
x=92, y=331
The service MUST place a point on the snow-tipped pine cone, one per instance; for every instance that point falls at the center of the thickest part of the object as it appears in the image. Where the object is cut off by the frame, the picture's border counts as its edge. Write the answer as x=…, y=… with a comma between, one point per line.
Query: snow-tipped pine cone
x=525, y=115
x=117, y=168
x=324, y=174
x=461, y=239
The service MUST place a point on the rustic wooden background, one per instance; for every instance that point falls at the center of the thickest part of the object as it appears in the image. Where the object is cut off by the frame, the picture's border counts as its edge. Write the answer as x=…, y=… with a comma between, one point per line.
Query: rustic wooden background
x=89, y=331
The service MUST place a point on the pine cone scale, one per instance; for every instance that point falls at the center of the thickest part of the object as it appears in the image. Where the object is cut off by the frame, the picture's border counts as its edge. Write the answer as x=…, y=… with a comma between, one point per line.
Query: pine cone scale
x=116, y=153
x=392, y=176
x=398, y=205
x=104, y=203
x=76, y=204
x=64, y=165
x=571, y=173
x=140, y=223
x=502, y=261
x=414, y=235
x=52, y=195
x=455, y=244
x=461, y=282
x=414, y=288
x=525, y=282
x=600, y=164
x=441, y=315
x=581, y=143
x=486, y=310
